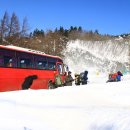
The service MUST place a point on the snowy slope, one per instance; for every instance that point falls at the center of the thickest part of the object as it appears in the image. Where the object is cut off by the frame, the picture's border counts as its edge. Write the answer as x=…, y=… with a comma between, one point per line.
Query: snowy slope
x=102, y=56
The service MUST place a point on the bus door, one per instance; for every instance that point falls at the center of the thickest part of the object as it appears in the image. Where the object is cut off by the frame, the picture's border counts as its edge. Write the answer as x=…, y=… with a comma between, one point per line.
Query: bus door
x=60, y=70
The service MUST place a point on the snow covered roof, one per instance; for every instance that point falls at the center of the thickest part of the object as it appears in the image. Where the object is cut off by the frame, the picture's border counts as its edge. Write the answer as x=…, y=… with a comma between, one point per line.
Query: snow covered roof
x=26, y=50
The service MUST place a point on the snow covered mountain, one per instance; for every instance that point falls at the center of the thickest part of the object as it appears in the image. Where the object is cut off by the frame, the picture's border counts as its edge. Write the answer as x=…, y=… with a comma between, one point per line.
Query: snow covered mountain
x=101, y=56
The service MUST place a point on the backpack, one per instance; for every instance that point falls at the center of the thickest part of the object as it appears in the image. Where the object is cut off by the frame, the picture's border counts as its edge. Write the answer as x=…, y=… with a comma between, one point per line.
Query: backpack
x=77, y=79
x=113, y=76
x=58, y=81
x=83, y=76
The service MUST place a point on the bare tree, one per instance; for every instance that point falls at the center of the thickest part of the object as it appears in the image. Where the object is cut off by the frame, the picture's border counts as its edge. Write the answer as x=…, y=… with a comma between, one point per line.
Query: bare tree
x=25, y=27
x=14, y=27
x=4, y=26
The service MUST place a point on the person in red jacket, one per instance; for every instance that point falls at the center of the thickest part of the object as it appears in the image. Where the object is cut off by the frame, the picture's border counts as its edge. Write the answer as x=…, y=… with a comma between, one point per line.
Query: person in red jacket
x=115, y=77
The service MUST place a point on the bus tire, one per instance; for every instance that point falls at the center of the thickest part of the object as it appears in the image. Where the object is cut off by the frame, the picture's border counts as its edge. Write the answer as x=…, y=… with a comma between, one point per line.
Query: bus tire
x=51, y=85
x=28, y=82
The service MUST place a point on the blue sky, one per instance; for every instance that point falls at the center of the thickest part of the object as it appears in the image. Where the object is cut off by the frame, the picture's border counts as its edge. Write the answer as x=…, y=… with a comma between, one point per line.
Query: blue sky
x=108, y=16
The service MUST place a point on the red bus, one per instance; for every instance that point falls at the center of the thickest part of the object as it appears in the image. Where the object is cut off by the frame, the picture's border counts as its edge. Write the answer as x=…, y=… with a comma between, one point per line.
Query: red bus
x=22, y=68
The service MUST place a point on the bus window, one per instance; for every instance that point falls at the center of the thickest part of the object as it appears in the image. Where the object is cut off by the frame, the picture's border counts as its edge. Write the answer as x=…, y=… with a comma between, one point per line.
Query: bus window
x=1, y=60
x=7, y=58
x=41, y=65
x=25, y=60
x=51, y=66
x=8, y=62
x=51, y=63
x=25, y=63
x=40, y=62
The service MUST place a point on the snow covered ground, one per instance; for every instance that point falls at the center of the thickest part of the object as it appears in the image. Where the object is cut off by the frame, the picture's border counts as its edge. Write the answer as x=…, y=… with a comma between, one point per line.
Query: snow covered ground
x=96, y=106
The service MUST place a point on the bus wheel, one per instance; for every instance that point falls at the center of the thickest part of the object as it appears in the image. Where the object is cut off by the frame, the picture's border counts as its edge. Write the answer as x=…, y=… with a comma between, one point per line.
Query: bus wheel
x=51, y=85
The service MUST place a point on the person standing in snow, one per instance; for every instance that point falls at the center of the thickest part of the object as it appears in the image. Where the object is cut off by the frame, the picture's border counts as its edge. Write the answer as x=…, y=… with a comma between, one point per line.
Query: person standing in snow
x=68, y=79
x=77, y=79
x=84, y=78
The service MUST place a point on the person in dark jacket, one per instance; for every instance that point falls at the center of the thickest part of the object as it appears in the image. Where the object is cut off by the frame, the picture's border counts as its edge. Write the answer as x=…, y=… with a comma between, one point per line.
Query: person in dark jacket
x=84, y=77
x=69, y=79
x=118, y=78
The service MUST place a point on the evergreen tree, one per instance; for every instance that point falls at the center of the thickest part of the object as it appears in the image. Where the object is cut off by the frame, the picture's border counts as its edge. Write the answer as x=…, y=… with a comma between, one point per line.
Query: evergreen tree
x=75, y=28
x=96, y=31
x=42, y=33
x=56, y=30
x=66, y=33
x=61, y=30
x=37, y=32
x=80, y=29
x=71, y=28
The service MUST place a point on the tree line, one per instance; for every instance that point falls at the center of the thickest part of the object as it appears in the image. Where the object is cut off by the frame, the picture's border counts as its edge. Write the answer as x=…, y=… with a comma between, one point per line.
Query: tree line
x=50, y=41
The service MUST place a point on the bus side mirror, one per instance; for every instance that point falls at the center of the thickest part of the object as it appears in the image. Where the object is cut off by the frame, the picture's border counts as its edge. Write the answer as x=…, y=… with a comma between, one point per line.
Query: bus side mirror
x=66, y=67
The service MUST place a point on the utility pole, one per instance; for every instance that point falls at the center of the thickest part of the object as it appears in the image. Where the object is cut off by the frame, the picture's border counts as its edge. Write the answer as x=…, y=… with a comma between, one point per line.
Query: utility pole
x=54, y=47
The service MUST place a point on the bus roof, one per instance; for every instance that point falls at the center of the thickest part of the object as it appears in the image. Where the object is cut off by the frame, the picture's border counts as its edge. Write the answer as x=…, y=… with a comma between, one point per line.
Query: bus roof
x=16, y=48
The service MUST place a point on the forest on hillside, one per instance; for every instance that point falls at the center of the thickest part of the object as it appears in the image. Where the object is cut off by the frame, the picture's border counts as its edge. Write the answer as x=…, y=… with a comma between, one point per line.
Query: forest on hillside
x=15, y=32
